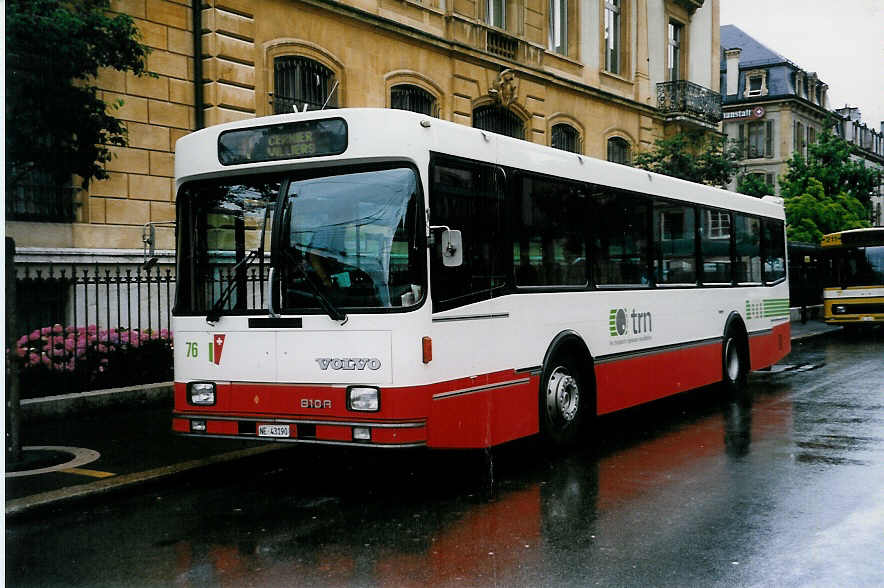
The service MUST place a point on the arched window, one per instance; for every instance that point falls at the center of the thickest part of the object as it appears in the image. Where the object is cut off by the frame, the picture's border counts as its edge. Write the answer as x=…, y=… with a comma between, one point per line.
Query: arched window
x=565, y=137
x=300, y=80
x=618, y=150
x=498, y=120
x=413, y=98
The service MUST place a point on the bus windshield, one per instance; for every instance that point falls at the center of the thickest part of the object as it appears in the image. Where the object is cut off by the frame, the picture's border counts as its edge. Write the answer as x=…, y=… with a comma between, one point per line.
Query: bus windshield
x=855, y=266
x=351, y=240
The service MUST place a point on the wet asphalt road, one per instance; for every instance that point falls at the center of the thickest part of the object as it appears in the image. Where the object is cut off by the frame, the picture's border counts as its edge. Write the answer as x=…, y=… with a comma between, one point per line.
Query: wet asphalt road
x=783, y=486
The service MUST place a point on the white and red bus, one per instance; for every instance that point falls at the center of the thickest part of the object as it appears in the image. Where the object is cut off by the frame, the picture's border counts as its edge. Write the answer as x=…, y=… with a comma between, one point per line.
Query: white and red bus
x=379, y=277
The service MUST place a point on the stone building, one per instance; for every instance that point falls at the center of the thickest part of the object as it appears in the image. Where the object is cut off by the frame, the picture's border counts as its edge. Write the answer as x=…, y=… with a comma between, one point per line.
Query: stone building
x=869, y=144
x=600, y=77
x=774, y=109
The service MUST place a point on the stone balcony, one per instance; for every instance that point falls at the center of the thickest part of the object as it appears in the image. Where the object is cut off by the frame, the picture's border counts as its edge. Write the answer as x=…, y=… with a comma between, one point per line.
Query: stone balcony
x=689, y=104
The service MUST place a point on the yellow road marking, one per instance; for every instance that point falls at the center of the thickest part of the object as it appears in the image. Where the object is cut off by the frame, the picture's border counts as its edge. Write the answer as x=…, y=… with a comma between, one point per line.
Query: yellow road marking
x=85, y=472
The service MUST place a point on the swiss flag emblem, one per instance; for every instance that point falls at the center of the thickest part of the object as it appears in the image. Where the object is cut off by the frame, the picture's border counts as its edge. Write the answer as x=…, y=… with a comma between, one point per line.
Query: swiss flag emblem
x=217, y=348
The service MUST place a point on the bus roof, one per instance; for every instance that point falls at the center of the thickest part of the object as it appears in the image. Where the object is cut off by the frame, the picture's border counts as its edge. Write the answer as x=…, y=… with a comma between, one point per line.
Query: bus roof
x=381, y=134
x=854, y=238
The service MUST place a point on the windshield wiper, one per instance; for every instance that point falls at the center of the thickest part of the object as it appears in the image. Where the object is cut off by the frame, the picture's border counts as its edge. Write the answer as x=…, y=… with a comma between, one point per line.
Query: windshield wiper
x=215, y=313
x=330, y=309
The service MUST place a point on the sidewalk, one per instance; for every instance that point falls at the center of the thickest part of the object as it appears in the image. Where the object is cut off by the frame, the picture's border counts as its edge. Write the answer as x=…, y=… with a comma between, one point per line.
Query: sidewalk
x=124, y=447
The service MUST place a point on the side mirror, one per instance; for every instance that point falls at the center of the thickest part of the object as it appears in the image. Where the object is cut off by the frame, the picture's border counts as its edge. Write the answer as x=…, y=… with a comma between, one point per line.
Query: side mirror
x=452, y=248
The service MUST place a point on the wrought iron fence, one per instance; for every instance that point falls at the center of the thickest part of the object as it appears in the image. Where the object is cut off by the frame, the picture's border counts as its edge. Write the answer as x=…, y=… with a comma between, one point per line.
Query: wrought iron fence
x=81, y=328
x=688, y=98
x=101, y=296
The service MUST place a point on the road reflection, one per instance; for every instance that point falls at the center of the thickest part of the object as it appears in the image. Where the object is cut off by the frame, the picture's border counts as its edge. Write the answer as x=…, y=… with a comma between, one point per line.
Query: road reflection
x=451, y=521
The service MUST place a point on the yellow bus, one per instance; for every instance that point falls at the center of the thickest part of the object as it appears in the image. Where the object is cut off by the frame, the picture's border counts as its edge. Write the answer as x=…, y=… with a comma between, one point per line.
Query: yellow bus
x=854, y=263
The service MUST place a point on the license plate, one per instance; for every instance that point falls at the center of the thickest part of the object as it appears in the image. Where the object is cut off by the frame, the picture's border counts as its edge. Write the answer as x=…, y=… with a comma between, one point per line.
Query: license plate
x=867, y=318
x=273, y=430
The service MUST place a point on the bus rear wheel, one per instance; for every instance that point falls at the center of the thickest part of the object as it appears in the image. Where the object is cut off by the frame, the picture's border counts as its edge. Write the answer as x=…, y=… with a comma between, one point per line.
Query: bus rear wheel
x=563, y=400
x=734, y=362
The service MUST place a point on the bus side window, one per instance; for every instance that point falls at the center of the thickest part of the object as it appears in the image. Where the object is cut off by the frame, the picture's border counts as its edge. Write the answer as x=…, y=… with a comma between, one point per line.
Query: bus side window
x=468, y=197
x=549, y=245
x=774, y=253
x=715, y=246
x=674, y=243
x=620, y=234
x=747, y=231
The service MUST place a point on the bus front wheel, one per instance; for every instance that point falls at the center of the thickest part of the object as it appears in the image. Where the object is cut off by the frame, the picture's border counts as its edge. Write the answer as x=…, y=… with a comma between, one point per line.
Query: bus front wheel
x=563, y=398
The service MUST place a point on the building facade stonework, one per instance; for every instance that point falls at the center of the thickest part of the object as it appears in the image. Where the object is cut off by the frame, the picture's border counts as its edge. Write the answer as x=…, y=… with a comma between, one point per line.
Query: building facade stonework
x=604, y=78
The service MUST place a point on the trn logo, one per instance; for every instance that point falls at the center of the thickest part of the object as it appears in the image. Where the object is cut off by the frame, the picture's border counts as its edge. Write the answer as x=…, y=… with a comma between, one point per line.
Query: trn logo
x=622, y=321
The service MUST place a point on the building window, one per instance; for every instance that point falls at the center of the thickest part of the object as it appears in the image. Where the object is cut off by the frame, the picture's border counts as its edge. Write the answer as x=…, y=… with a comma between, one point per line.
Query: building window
x=612, y=35
x=558, y=26
x=498, y=120
x=676, y=35
x=798, y=138
x=756, y=83
x=495, y=13
x=413, y=98
x=565, y=137
x=36, y=195
x=300, y=81
x=618, y=150
x=757, y=139
x=811, y=135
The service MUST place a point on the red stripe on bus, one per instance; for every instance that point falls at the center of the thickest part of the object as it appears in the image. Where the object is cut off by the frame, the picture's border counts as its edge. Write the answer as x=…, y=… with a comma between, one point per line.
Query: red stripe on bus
x=765, y=350
x=636, y=380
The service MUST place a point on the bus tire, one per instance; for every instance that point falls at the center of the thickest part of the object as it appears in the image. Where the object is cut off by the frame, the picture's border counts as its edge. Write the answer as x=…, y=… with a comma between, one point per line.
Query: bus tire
x=564, y=399
x=734, y=360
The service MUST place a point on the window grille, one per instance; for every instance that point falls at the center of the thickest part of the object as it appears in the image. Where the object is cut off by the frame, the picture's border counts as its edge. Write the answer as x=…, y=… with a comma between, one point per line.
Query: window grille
x=300, y=80
x=413, y=98
x=565, y=137
x=498, y=120
x=37, y=196
x=618, y=150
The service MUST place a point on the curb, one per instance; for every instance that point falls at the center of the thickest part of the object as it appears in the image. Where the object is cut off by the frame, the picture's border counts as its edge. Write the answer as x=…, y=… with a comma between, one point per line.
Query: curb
x=54, y=407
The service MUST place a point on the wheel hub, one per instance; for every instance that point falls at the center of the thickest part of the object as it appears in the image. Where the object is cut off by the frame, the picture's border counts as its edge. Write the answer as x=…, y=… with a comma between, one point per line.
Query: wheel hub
x=562, y=395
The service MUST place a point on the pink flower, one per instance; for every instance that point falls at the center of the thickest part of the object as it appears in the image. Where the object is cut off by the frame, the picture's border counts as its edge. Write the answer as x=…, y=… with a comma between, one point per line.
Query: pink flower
x=33, y=359
x=57, y=329
x=46, y=331
x=34, y=336
x=23, y=340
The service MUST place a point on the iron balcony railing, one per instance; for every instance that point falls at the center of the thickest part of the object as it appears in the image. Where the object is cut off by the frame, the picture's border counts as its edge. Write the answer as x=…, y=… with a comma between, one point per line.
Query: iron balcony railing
x=687, y=99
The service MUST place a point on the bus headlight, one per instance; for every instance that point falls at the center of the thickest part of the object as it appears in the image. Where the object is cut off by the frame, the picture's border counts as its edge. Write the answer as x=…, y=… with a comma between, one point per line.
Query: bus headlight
x=839, y=309
x=363, y=398
x=201, y=393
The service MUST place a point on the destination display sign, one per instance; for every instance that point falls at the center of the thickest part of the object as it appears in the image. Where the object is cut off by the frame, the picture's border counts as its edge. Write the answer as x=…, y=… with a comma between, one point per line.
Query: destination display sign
x=296, y=140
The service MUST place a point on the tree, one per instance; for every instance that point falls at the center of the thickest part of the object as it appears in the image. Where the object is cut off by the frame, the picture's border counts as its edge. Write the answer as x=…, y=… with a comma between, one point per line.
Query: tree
x=56, y=124
x=692, y=156
x=813, y=214
x=754, y=185
x=829, y=162
x=827, y=191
